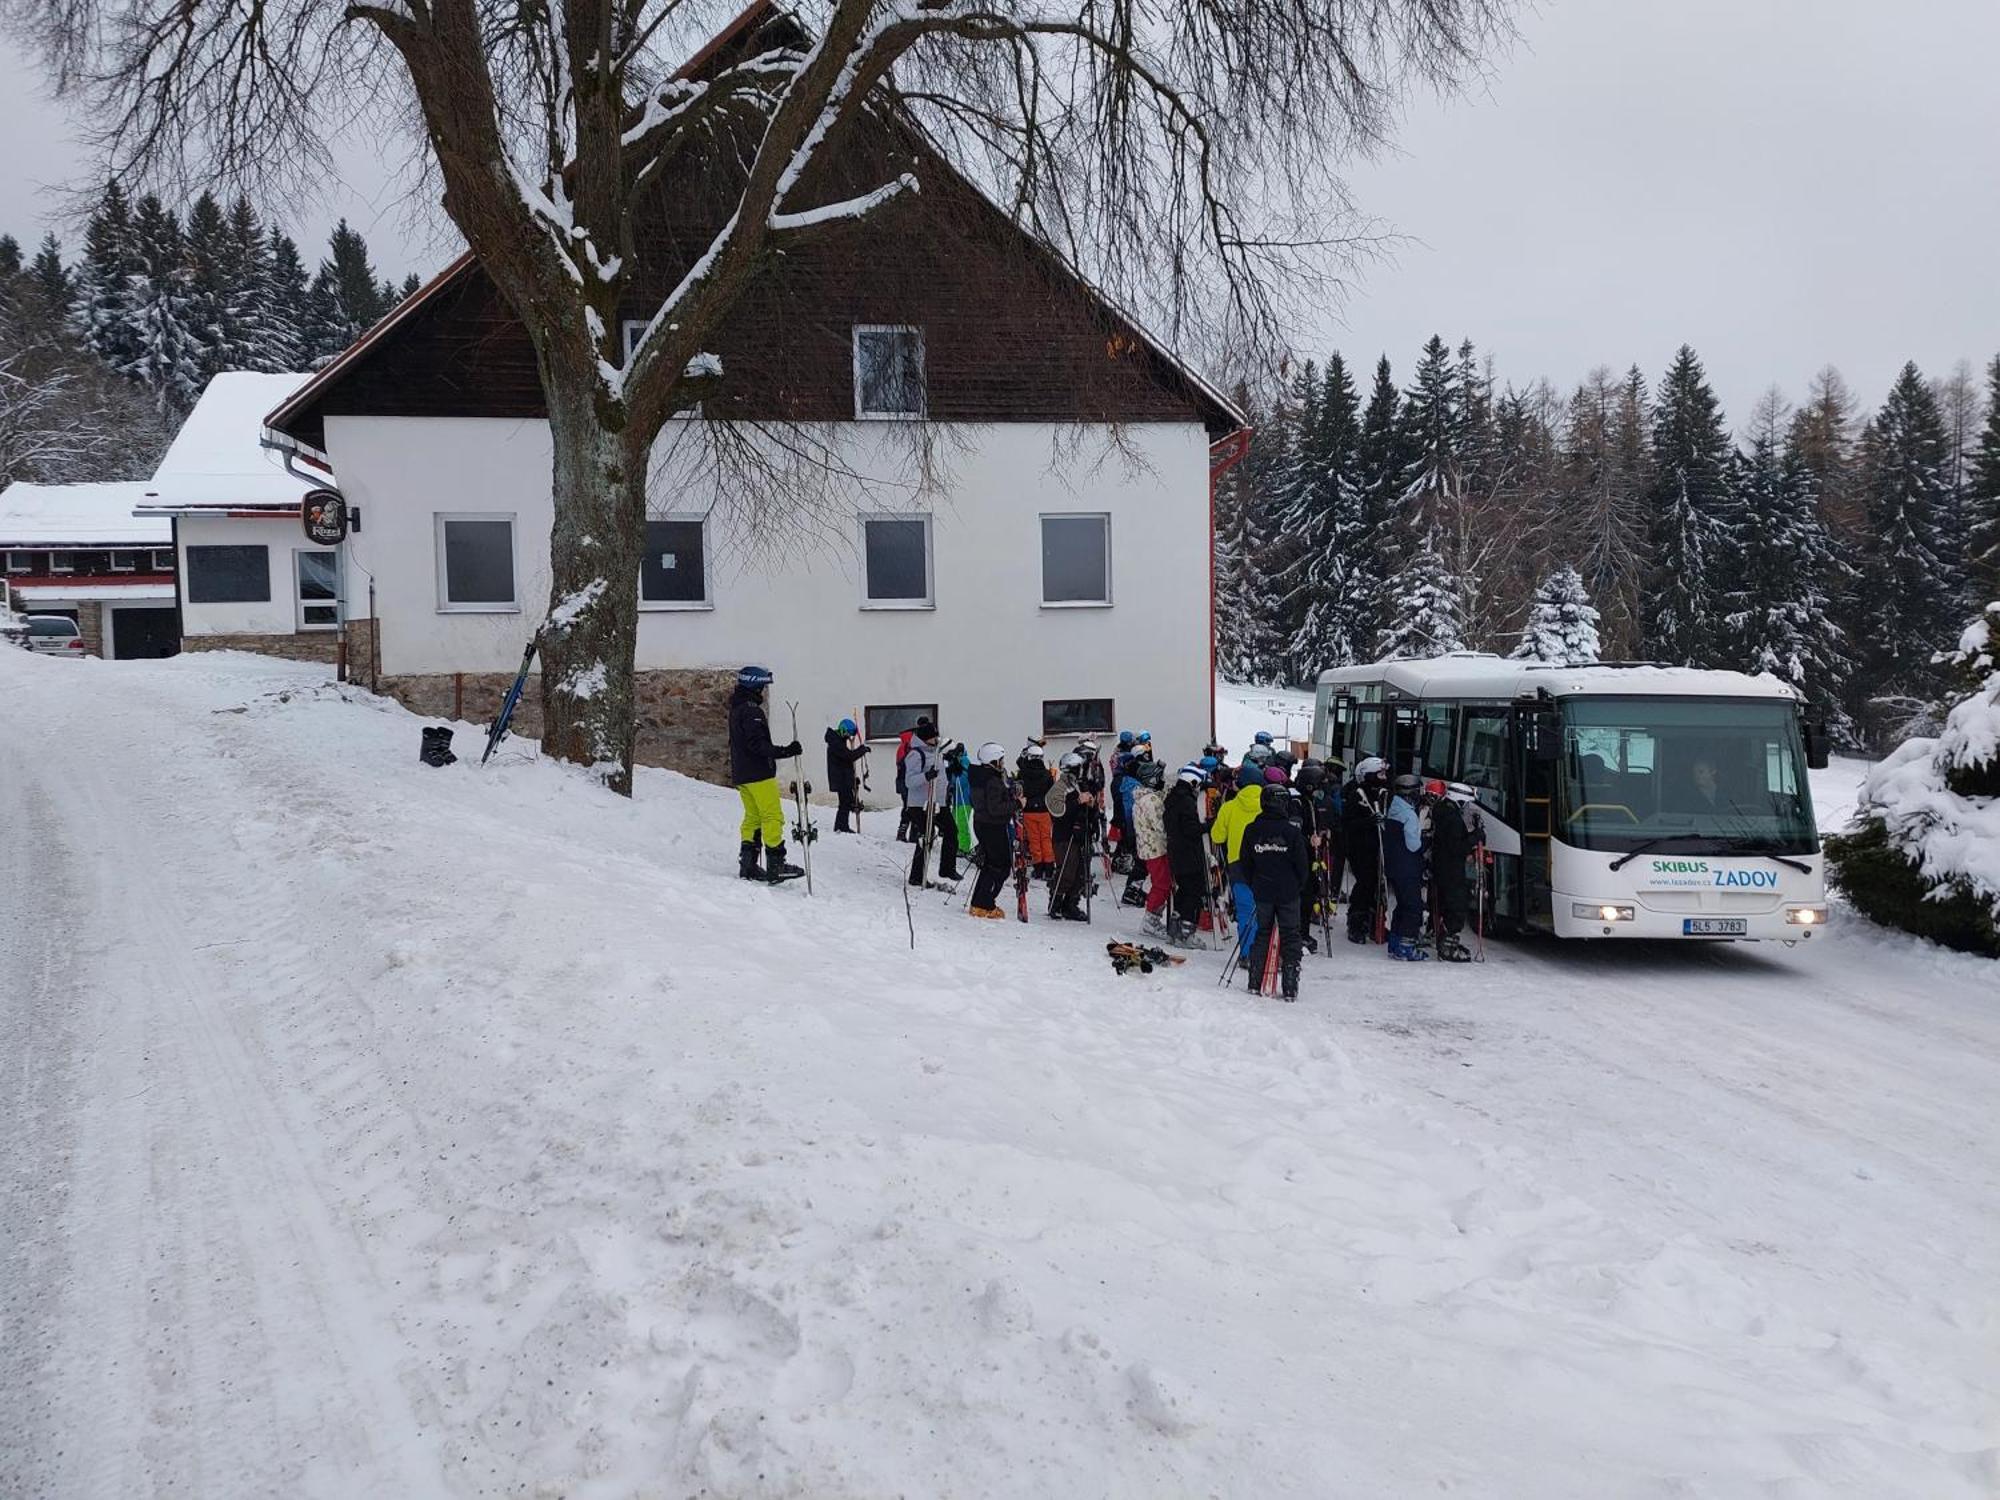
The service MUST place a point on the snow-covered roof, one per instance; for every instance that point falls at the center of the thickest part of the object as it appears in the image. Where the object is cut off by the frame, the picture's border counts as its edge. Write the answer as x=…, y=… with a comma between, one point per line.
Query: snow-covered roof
x=47, y=589
x=79, y=515
x=1498, y=679
x=216, y=460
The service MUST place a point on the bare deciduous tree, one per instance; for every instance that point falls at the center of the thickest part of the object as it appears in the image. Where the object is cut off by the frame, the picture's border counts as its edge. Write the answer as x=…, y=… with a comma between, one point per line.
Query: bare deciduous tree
x=1180, y=152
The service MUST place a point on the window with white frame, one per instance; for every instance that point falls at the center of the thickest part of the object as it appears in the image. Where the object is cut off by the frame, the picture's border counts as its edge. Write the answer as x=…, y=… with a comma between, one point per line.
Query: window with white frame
x=163, y=559
x=888, y=372
x=1076, y=560
x=475, y=562
x=673, y=573
x=62, y=562
x=318, y=574
x=124, y=562
x=896, y=562
x=20, y=562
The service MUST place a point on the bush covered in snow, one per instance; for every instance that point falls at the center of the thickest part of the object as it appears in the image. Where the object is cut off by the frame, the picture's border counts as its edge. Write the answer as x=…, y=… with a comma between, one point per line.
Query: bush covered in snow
x=1925, y=853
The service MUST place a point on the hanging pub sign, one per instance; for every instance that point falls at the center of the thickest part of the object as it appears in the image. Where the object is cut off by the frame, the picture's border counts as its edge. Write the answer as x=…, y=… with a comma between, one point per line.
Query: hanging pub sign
x=325, y=513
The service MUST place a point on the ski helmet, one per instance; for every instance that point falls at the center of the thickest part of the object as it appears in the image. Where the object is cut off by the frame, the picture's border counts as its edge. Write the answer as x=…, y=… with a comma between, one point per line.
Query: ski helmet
x=992, y=753
x=1032, y=750
x=1145, y=737
x=1124, y=737
x=1277, y=798
x=1284, y=758
x=1248, y=775
x=1072, y=762
x=1257, y=755
x=1151, y=774
x=1312, y=773
x=925, y=728
x=756, y=677
x=1262, y=737
x=1434, y=787
x=1408, y=785
x=847, y=726
x=1208, y=763
x=1086, y=747
x=1370, y=765
x=1458, y=791
x=1275, y=776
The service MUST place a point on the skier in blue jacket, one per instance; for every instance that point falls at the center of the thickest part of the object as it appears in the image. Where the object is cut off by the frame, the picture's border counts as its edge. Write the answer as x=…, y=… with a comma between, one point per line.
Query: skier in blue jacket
x=1403, y=863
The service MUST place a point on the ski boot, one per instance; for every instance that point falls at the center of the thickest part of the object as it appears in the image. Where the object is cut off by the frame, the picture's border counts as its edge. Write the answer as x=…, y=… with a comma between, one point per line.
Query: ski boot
x=746, y=861
x=1155, y=924
x=1407, y=951
x=1311, y=942
x=1180, y=934
x=1071, y=911
x=1452, y=951
x=1289, y=982
x=776, y=871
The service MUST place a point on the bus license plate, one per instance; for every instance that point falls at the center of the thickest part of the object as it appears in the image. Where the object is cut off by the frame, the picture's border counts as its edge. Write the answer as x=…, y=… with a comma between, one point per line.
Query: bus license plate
x=1715, y=927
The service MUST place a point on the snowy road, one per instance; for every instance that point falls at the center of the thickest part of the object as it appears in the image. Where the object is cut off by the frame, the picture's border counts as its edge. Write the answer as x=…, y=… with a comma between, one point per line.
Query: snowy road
x=382, y=1131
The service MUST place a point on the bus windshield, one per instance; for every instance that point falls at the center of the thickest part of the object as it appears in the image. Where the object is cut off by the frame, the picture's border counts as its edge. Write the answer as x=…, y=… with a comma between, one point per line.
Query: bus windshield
x=1715, y=775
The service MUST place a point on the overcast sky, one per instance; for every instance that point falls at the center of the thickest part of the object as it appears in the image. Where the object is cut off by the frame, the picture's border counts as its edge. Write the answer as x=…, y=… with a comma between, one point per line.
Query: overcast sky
x=1782, y=183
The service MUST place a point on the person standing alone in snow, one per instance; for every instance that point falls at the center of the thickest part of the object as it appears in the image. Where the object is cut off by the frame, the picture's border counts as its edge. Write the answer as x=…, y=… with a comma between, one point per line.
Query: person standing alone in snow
x=753, y=768
x=993, y=808
x=842, y=755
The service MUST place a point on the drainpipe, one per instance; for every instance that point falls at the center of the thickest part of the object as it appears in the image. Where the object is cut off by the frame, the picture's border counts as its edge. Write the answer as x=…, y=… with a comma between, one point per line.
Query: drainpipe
x=1223, y=455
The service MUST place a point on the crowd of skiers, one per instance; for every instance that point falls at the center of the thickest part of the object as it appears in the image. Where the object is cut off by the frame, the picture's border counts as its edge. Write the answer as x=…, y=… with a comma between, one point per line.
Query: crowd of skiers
x=1272, y=844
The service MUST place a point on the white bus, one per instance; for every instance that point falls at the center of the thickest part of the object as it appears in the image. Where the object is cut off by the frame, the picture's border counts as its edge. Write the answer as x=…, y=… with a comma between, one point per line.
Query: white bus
x=1620, y=800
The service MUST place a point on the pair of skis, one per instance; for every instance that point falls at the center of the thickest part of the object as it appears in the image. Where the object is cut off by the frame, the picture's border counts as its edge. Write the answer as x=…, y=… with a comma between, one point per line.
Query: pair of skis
x=802, y=824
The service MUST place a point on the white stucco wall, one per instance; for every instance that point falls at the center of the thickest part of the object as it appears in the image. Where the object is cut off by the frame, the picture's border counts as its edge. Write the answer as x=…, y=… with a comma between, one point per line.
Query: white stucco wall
x=988, y=653
x=279, y=614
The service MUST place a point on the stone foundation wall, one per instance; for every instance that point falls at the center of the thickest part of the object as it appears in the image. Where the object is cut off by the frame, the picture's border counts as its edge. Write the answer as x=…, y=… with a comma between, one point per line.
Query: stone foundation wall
x=683, y=713
x=310, y=646
x=90, y=625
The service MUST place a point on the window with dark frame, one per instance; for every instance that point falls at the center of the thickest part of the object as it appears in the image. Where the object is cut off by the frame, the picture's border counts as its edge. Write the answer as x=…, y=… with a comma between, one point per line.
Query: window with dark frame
x=886, y=721
x=888, y=371
x=1078, y=716
x=1076, y=559
x=674, y=569
x=476, y=562
x=229, y=574
x=896, y=559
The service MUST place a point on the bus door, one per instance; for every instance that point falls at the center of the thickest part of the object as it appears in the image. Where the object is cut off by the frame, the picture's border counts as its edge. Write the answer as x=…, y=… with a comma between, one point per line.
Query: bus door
x=1538, y=746
x=1406, y=752
x=1361, y=729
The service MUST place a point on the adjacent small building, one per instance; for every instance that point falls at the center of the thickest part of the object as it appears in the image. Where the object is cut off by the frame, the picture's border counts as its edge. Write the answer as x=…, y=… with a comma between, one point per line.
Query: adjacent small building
x=79, y=551
x=248, y=578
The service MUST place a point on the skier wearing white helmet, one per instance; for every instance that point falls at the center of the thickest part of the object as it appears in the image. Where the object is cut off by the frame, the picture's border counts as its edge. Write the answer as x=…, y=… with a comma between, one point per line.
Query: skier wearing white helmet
x=994, y=804
x=1072, y=804
x=1032, y=769
x=1363, y=802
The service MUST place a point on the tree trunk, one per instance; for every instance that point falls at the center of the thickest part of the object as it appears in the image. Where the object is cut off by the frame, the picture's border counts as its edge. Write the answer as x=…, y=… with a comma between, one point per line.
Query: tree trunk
x=594, y=551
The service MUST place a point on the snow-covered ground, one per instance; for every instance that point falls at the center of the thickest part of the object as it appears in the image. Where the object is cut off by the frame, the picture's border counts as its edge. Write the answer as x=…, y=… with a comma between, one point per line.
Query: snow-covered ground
x=377, y=1130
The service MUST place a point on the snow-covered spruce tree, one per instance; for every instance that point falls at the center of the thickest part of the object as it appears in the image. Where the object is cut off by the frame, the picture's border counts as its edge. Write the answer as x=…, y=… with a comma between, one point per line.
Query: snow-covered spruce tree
x=1924, y=853
x=213, y=287
x=50, y=277
x=1241, y=640
x=1689, y=497
x=285, y=294
x=1910, y=580
x=1386, y=469
x=1422, y=608
x=1982, y=499
x=1289, y=440
x=1328, y=584
x=1132, y=140
x=11, y=262
x=164, y=314
x=103, y=308
x=1562, y=624
x=1783, y=620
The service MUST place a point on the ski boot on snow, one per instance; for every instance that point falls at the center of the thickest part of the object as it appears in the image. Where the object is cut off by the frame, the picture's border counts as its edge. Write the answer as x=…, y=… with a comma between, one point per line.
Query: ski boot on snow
x=746, y=861
x=1288, y=985
x=1407, y=951
x=1155, y=924
x=1070, y=911
x=1453, y=951
x=1180, y=934
x=776, y=870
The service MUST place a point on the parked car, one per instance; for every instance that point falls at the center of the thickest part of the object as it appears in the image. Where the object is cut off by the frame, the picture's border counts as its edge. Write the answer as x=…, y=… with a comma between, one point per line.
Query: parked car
x=54, y=635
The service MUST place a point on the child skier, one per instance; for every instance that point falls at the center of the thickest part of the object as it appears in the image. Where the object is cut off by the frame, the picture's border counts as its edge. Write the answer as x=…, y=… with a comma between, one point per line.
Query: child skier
x=1188, y=863
x=1149, y=834
x=1032, y=769
x=753, y=768
x=1277, y=869
x=993, y=806
x=1454, y=817
x=1403, y=863
x=1073, y=809
x=844, y=750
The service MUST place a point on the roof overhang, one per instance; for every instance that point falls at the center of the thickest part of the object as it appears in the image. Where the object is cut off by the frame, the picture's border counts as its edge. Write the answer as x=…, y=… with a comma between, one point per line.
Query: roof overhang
x=276, y=510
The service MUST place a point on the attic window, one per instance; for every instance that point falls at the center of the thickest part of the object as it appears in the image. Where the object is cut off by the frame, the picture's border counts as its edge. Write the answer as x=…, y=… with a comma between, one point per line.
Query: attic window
x=888, y=372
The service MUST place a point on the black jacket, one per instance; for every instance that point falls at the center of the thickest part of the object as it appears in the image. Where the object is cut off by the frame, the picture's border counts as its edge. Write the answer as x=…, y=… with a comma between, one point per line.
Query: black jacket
x=1451, y=841
x=840, y=761
x=1036, y=779
x=1073, y=818
x=1358, y=818
x=1183, y=819
x=1274, y=862
x=752, y=756
x=992, y=797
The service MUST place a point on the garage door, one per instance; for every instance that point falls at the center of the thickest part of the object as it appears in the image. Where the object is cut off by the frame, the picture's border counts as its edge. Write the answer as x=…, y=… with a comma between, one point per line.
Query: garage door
x=141, y=633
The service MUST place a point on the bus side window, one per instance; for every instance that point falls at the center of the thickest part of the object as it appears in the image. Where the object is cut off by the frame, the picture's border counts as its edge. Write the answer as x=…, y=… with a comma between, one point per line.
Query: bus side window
x=1438, y=721
x=1485, y=748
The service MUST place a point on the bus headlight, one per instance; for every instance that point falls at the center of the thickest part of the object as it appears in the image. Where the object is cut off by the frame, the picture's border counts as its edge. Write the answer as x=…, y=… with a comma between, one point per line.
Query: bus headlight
x=1591, y=913
x=1806, y=916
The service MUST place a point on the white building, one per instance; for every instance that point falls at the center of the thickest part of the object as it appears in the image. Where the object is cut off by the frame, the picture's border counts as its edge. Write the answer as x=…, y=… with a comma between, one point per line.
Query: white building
x=248, y=578
x=1055, y=578
x=77, y=550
